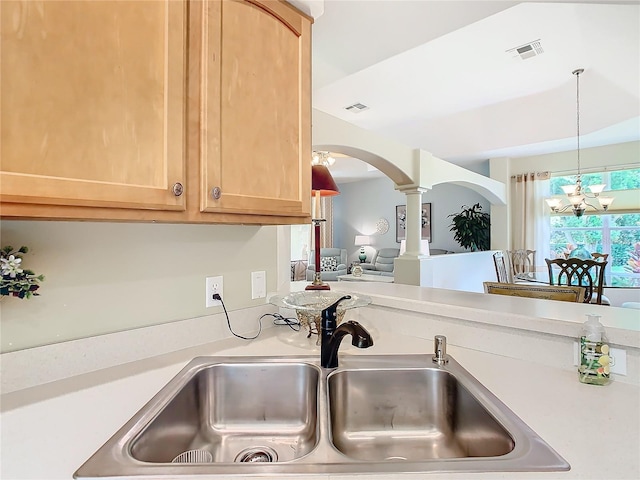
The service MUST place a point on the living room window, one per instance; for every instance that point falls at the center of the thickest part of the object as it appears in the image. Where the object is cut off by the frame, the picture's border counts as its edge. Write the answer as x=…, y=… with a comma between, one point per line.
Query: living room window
x=616, y=233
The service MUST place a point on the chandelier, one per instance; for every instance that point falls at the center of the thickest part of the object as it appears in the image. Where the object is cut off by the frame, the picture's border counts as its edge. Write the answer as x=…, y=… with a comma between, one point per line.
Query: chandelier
x=577, y=195
x=322, y=158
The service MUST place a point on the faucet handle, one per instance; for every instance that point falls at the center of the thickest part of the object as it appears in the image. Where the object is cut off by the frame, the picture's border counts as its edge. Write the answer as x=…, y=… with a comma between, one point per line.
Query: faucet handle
x=331, y=312
x=440, y=349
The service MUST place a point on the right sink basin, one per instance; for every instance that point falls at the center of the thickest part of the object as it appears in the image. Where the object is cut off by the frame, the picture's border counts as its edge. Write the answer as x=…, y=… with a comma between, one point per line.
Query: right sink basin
x=410, y=415
x=406, y=413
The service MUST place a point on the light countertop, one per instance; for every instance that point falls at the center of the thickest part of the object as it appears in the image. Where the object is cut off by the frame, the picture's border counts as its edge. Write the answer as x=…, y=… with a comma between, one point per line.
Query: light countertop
x=48, y=431
x=556, y=318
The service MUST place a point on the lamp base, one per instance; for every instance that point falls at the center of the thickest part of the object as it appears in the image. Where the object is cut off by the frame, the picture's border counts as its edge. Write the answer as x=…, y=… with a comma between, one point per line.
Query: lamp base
x=317, y=283
x=363, y=258
x=313, y=286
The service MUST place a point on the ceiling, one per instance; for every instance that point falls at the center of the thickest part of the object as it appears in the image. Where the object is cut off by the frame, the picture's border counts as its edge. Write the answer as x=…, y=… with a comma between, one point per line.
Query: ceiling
x=443, y=76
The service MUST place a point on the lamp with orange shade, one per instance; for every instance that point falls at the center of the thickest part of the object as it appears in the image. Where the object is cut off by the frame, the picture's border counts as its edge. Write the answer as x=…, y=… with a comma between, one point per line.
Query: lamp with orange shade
x=322, y=185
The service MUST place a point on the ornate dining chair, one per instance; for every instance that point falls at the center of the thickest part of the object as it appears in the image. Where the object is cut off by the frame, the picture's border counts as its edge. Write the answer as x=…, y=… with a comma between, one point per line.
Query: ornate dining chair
x=600, y=256
x=502, y=272
x=522, y=261
x=584, y=273
x=561, y=293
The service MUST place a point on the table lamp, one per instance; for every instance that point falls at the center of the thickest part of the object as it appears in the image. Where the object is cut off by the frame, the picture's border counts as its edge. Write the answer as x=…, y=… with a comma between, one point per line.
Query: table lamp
x=362, y=240
x=322, y=185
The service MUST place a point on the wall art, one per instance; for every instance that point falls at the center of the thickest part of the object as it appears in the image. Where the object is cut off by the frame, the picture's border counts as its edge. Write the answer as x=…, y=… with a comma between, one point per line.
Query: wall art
x=401, y=218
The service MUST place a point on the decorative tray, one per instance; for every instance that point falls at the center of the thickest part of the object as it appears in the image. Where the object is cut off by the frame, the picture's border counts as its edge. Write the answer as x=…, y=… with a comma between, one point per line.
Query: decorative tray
x=310, y=303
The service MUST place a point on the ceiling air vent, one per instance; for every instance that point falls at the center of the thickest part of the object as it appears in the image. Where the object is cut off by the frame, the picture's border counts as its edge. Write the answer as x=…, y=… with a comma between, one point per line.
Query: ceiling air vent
x=356, y=108
x=528, y=50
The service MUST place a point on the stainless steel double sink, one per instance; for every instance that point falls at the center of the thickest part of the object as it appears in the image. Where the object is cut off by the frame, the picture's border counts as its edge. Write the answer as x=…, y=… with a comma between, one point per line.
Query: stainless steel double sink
x=288, y=416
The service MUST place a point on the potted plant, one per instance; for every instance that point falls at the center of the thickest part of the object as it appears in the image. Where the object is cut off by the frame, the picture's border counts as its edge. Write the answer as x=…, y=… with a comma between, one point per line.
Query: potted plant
x=472, y=228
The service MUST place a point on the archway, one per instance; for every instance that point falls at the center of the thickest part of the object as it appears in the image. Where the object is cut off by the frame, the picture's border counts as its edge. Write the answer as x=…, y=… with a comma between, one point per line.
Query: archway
x=413, y=172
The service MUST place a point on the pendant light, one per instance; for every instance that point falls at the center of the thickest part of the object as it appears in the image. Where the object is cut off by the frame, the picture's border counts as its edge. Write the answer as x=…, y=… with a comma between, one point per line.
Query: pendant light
x=577, y=195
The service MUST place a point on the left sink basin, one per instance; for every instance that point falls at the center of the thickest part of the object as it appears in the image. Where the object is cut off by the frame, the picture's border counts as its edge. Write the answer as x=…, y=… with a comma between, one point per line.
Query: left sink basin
x=218, y=413
x=237, y=413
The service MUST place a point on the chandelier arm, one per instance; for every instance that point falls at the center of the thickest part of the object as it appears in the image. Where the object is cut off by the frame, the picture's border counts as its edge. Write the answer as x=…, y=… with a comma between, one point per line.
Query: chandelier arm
x=563, y=209
x=589, y=205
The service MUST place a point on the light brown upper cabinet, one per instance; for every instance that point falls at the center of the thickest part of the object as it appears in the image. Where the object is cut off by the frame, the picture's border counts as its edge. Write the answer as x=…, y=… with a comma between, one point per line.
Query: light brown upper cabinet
x=255, y=145
x=92, y=102
x=107, y=114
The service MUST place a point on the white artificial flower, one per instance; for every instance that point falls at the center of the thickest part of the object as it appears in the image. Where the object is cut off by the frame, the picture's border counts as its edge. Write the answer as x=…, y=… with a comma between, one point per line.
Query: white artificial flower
x=11, y=266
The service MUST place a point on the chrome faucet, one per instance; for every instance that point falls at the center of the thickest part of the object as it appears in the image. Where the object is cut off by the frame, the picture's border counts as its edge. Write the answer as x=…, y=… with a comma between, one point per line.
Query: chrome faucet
x=332, y=335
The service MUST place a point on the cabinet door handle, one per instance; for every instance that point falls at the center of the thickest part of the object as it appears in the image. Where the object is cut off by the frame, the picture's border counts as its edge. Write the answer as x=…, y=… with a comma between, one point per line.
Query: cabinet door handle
x=177, y=189
x=216, y=193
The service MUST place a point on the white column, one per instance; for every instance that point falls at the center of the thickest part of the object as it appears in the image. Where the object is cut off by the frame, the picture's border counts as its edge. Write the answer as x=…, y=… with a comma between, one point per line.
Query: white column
x=410, y=268
x=414, y=222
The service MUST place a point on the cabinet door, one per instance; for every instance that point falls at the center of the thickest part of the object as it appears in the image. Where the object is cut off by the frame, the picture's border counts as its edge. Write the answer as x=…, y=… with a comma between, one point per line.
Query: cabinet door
x=91, y=98
x=255, y=137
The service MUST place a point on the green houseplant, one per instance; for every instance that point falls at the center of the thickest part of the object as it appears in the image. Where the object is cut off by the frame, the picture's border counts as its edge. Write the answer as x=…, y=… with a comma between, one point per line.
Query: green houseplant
x=472, y=228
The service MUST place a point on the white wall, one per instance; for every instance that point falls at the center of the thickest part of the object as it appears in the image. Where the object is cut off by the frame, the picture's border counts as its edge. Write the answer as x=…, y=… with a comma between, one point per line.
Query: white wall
x=110, y=277
x=361, y=204
x=464, y=272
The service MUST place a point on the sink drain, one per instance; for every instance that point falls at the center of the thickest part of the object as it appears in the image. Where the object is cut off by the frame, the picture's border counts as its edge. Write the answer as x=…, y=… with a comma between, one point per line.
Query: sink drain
x=257, y=454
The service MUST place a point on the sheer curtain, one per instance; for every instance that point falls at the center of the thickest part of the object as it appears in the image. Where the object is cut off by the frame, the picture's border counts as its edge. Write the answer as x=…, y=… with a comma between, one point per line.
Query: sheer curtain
x=326, y=229
x=530, y=215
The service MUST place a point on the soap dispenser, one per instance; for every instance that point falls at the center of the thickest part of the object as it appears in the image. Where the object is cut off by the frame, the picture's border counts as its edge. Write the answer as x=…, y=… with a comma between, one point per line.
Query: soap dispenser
x=594, y=353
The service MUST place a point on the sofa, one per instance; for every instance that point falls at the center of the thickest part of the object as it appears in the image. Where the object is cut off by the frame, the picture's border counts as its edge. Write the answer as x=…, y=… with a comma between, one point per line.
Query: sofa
x=382, y=262
x=333, y=262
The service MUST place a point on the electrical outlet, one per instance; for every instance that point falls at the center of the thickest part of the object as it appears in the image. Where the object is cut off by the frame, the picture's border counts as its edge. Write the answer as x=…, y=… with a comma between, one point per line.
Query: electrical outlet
x=258, y=285
x=214, y=285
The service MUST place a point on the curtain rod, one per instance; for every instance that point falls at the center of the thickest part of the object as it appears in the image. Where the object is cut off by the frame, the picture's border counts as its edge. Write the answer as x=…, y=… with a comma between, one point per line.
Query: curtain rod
x=609, y=168
x=540, y=175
